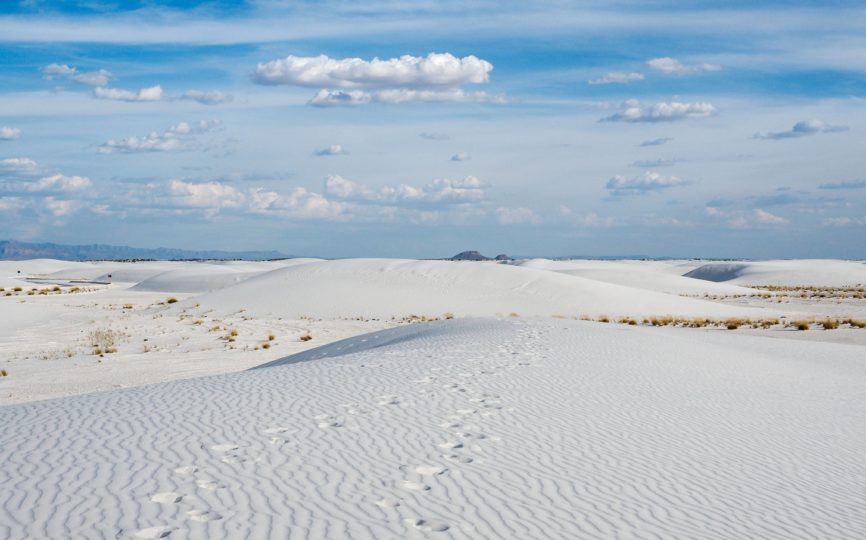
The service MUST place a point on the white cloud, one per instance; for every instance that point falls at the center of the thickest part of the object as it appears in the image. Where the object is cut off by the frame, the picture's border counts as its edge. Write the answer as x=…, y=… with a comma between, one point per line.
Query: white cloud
x=206, y=97
x=434, y=136
x=440, y=191
x=848, y=184
x=591, y=219
x=61, y=208
x=90, y=78
x=652, y=163
x=9, y=133
x=617, y=77
x=18, y=164
x=461, y=156
x=332, y=150
x=633, y=111
x=406, y=71
x=645, y=183
x=844, y=221
x=175, y=138
x=672, y=66
x=60, y=182
x=802, y=129
x=212, y=195
x=300, y=204
x=516, y=216
x=337, y=98
x=767, y=218
x=153, y=93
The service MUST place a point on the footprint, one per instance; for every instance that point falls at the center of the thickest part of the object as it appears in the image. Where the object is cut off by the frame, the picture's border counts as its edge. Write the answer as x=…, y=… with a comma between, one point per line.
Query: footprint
x=428, y=525
x=167, y=497
x=203, y=515
x=327, y=421
x=415, y=486
x=430, y=470
x=186, y=471
x=224, y=447
x=388, y=502
x=153, y=532
x=389, y=400
x=450, y=445
x=457, y=458
x=209, y=484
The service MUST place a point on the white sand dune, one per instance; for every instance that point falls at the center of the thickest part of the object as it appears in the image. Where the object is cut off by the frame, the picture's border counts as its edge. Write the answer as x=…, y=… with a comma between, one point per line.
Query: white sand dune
x=828, y=273
x=650, y=275
x=392, y=287
x=511, y=428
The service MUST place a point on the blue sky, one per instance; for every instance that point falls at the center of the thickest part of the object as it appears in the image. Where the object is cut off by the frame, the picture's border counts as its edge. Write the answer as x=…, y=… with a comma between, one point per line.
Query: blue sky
x=419, y=129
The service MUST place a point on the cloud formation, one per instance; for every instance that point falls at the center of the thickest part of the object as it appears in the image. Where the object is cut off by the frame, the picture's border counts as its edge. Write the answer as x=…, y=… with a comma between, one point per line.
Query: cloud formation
x=90, y=78
x=206, y=97
x=516, y=216
x=175, y=138
x=153, y=93
x=848, y=184
x=206, y=194
x=802, y=129
x=434, y=70
x=652, y=163
x=633, y=111
x=440, y=191
x=8, y=133
x=461, y=156
x=647, y=182
x=332, y=150
x=60, y=182
x=352, y=98
x=617, y=77
x=672, y=66
x=434, y=136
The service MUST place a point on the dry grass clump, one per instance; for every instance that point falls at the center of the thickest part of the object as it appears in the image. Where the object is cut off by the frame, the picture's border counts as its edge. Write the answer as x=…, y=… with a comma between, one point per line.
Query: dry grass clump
x=801, y=325
x=4, y=373
x=662, y=321
x=306, y=337
x=604, y=319
x=266, y=345
x=733, y=323
x=514, y=314
x=271, y=337
x=830, y=324
x=448, y=316
x=627, y=320
x=17, y=289
x=856, y=323
x=171, y=300
x=103, y=341
x=146, y=349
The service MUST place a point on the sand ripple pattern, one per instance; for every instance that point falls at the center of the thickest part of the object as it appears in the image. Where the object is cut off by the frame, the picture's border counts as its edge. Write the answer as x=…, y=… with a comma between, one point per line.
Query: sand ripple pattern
x=461, y=429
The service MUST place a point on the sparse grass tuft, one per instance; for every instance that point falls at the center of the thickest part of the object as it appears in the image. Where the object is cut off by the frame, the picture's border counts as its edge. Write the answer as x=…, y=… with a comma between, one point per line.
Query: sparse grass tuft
x=448, y=315
x=514, y=314
x=830, y=324
x=306, y=337
x=801, y=325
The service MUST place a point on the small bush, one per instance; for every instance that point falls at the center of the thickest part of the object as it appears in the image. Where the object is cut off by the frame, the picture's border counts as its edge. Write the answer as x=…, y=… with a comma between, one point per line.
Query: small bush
x=55, y=289
x=17, y=289
x=448, y=316
x=830, y=324
x=801, y=325
x=271, y=337
x=857, y=323
x=171, y=300
x=733, y=324
x=306, y=337
x=4, y=373
x=514, y=314
x=266, y=345
x=604, y=319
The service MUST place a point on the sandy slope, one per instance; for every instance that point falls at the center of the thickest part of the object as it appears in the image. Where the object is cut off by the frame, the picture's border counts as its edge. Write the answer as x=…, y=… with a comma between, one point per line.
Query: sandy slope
x=461, y=429
x=827, y=273
x=392, y=287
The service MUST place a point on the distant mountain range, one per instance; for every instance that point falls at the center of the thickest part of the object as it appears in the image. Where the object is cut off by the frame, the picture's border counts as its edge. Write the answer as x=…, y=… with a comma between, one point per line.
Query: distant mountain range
x=476, y=256
x=16, y=251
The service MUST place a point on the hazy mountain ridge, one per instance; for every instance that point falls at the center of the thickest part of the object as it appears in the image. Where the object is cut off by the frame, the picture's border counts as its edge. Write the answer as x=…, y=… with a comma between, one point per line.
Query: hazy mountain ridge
x=15, y=250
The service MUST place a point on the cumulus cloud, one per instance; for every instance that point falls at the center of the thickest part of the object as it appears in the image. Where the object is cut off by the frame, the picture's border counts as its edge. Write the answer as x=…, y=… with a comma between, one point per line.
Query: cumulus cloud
x=802, y=129
x=848, y=184
x=461, y=156
x=332, y=150
x=206, y=97
x=8, y=133
x=18, y=164
x=591, y=219
x=440, y=191
x=60, y=182
x=672, y=66
x=633, y=111
x=300, y=204
x=436, y=69
x=516, y=216
x=617, y=77
x=90, y=78
x=656, y=142
x=647, y=182
x=206, y=194
x=175, y=138
x=767, y=218
x=351, y=98
x=153, y=93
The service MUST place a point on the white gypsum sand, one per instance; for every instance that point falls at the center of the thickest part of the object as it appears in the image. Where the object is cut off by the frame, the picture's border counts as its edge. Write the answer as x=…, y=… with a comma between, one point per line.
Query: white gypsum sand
x=461, y=429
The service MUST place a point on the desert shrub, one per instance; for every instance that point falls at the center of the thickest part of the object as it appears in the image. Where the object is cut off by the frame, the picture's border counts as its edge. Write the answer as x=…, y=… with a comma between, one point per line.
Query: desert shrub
x=698, y=323
x=733, y=324
x=171, y=300
x=266, y=345
x=857, y=323
x=103, y=341
x=514, y=314
x=55, y=288
x=127, y=306
x=146, y=349
x=830, y=324
x=4, y=373
x=604, y=319
x=233, y=332
x=75, y=289
x=448, y=315
x=306, y=337
x=17, y=289
x=271, y=337
x=801, y=325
